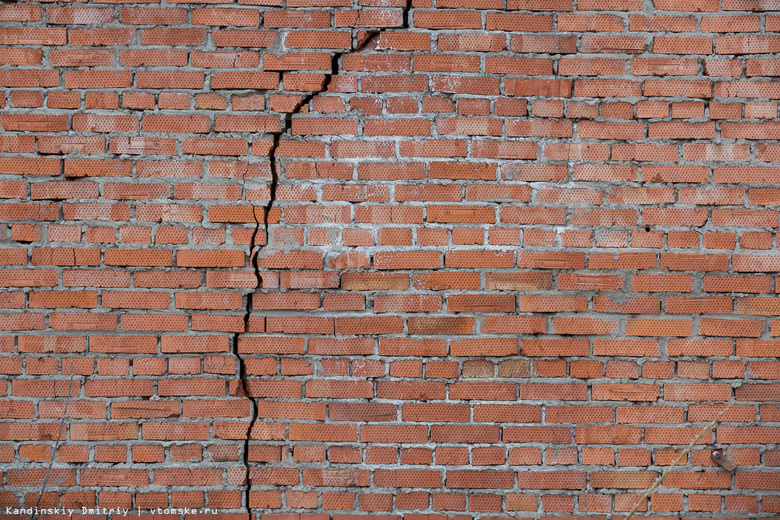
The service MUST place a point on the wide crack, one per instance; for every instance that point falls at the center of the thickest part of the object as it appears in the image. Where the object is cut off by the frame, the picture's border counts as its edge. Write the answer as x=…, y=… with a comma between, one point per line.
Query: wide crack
x=262, y=224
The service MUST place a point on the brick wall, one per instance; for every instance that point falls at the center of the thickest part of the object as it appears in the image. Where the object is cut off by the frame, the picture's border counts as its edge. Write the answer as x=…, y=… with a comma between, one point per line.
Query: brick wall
x=522, y=245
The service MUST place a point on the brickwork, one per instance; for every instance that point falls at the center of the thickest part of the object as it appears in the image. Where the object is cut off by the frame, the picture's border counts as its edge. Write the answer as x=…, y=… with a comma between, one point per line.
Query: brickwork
x=424, y=261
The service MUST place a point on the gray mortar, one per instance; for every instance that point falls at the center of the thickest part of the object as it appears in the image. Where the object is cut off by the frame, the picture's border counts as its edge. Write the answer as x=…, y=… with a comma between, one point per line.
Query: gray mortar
x=602, y=184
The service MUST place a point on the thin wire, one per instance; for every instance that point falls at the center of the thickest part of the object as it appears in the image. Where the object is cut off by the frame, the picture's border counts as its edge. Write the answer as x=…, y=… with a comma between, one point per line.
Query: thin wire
x=56, y=445
x=509, y=500
x=584, y=495
x=684, y=454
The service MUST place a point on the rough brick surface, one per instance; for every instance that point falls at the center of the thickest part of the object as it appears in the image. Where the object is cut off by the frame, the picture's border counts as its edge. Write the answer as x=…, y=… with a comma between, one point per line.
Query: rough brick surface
x=341, y=258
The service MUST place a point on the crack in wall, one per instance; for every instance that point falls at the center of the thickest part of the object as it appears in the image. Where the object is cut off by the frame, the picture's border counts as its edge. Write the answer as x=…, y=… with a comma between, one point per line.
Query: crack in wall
x=261, y=225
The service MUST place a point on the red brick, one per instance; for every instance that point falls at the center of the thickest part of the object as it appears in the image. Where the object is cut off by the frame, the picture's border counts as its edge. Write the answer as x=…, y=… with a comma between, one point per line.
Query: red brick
x=440, y=283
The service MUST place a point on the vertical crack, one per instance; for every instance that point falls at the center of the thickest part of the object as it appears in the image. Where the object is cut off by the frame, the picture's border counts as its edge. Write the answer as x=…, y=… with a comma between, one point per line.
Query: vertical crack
x=261, y=225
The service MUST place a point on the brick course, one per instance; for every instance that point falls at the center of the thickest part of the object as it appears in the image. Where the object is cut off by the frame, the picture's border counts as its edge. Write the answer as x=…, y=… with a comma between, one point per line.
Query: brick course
x=338, y=258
